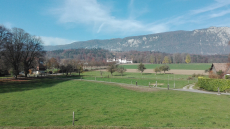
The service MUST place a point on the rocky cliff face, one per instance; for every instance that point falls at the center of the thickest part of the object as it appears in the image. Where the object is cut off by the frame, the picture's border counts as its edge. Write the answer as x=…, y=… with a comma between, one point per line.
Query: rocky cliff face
x=213, y=40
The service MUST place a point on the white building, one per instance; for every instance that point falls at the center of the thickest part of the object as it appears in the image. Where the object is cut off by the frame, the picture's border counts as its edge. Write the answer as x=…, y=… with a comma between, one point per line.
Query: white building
x=120, y=60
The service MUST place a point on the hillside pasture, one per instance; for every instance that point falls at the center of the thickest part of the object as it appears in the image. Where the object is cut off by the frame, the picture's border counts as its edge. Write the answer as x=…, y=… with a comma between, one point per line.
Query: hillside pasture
x=51, y=103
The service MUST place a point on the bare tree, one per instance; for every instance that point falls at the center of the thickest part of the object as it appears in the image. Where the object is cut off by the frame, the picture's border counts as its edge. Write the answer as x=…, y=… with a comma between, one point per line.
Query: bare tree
x=5, y=36
x=32, y=49
x=13, y=50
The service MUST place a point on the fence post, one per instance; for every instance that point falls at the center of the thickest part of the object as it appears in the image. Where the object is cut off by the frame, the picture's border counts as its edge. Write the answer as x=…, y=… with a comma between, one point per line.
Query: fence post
x=149, y=84
x=156, y=83
x=174, y=81
x=136, y=83
x=73, y=117
x=218, y=91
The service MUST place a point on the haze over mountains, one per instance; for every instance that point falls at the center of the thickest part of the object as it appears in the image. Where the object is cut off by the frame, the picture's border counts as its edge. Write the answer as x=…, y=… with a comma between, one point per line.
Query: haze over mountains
x=209, y=41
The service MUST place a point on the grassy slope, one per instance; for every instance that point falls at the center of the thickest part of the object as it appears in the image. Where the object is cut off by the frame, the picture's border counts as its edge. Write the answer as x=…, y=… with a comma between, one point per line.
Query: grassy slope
x=51, y=103
x=192, y=66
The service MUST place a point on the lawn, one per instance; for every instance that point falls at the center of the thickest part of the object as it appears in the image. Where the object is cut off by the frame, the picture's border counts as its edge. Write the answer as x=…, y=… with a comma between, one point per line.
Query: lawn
x=191, y=66
x=51, y=102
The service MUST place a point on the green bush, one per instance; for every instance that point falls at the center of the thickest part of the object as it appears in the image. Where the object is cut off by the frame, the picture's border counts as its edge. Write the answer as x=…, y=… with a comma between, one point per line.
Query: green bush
x=227, y=76
x=213, y=84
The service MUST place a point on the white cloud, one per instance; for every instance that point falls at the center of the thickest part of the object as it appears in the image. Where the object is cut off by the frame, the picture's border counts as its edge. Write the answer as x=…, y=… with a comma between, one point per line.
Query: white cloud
x=216, y=5
x=55, y=41
x=204, y=16
x=222, y=13
x=96, y=15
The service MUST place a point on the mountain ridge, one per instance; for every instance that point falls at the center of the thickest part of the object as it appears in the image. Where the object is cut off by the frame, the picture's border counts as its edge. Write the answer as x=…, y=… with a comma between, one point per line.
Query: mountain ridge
x=207, y=41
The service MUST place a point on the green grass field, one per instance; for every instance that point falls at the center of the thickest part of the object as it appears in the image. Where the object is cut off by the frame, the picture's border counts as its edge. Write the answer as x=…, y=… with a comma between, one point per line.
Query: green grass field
x=131, y=78
x=192, y=66
x=51, y=102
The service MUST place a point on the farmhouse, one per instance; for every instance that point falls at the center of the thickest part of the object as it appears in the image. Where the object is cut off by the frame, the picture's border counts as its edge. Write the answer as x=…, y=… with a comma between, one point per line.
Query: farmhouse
x=224, y=67
x=120, y=60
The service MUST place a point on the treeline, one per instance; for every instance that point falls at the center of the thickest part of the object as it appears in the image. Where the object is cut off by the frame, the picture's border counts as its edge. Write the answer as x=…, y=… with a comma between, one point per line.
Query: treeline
x=89, y=55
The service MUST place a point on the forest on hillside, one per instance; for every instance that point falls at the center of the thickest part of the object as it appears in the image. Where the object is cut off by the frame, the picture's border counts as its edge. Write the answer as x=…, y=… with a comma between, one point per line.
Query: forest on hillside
x=99, y=54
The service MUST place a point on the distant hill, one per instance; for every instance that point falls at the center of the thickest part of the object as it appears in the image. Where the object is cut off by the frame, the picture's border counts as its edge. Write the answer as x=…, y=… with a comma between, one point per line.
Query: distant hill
x=209, y=41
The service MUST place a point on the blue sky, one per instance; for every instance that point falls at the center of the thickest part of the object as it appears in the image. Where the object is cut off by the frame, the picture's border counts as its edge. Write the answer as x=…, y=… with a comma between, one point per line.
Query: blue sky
x=64, y=21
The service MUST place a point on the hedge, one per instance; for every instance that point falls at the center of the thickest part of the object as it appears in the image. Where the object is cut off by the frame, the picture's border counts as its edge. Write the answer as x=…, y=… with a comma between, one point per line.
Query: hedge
x=213, y=84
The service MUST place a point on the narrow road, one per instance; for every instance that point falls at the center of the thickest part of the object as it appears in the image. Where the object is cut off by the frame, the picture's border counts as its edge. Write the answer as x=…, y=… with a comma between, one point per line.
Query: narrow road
x=189, y=88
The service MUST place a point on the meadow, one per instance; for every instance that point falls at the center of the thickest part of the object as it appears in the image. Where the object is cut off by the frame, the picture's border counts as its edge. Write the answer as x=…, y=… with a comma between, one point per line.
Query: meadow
x=142, y=80
x=190, y=66
x=51, y=102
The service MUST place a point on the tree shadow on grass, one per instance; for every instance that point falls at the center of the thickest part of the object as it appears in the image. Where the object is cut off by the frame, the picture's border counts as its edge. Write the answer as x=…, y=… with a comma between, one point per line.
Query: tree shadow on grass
x=30, y=84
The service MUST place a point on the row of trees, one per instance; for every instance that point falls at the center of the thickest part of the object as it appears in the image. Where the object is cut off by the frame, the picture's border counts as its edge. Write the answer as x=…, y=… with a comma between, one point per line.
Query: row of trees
x=19, y=50
x=141, y=67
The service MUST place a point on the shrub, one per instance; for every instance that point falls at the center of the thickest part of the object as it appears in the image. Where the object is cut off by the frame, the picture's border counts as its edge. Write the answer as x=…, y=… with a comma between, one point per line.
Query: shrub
x=213, y=84
x=227, y=76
